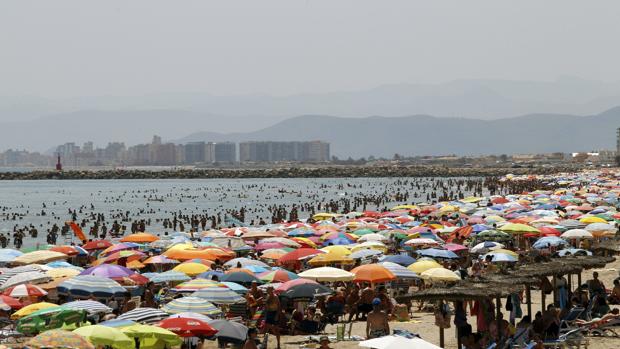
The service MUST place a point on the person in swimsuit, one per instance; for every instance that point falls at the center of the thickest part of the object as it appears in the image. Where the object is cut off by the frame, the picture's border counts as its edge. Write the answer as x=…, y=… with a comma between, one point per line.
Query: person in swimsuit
x=377, y=324
x=272, y=312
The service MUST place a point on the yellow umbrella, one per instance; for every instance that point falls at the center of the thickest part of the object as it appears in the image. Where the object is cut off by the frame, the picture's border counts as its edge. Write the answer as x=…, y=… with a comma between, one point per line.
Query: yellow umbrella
x=518, y=228
x=337, y=249
x=185, y=246
x=440, y=274
x=29, y=309
x=472, y=200
x=191, y=269
x=448, y=208
x=41, y=257
x=325, y=216
x=421, y=266
x=62, y=272
x=135, y=265
x=330, y=258
x=405, y=207
x=504, y=251
x=370, y=245
x=588, y=220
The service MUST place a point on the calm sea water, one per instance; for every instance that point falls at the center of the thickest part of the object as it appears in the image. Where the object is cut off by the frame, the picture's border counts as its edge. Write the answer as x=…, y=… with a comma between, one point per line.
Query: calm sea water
x=159, y=198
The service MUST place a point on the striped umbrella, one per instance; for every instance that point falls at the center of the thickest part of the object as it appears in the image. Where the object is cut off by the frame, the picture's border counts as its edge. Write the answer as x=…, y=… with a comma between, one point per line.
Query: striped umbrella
x=196, y=284
x=85, y=286
x=25, y=278
x=191, y=304
x=219, y=295
x=191, y=316
x=90, y=306
x=146, y=315
x=169, y=276
x=25, y=290
x=279, y=275
x=400, y=271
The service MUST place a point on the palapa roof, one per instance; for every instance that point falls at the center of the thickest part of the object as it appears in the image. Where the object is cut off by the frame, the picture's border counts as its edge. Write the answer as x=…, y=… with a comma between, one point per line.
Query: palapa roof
x=467, y=291
x=509, y=279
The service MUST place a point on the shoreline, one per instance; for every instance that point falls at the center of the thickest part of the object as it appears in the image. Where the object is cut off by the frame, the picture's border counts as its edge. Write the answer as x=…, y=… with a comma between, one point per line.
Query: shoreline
x=290, y=172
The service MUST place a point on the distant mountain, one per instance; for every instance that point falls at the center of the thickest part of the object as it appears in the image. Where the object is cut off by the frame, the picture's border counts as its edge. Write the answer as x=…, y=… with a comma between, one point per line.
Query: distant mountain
x=428, y=135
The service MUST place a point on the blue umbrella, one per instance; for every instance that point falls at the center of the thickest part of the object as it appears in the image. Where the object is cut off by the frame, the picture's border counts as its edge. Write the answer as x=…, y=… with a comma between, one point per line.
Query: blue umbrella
x=300, y=232
x=437, y=253
x=548, y=241
x=256, y=269
x=480, y=227
x=402, y=259
x=84, y=286
x=219, y=295
x=337, y=241
x=169, y=276
x=8, y=255
x=501, y=257
x=61, y=264
x=235, y=287
x=210, y=274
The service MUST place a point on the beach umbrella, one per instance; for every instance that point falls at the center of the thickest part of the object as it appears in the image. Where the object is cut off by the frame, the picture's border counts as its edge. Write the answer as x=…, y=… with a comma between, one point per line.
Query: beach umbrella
x=119, y=247
x=235, y=287
x=187, y=327
x=240, y=278
x=504, y=251
x=97, y=245
x=440, y=274
x=10, y=301
x=146, y=315
x=288, y=284
x=397, y=342
x=518, y=228
x=105, y=336
x=29, y=309
x=327, y=274
x=62, y=264
x=191, y=304
x=190, y=315
x=109, y=271
x=116, y=323
x=169, y=276
x=361, y=254
x=128, y=254
x=330, y=258
x=62, y=272
x=219, y=295
x=196, y=284
x=59, y=339
x=191, y=269
x=152, y=336
x=421, y=242
x=306, y=291
x=84, y=286
x=279, y=275
x=577, y=234
x=336, y=250
x=455, y=247
x=501, y=257
x=601, y=229
x=573, y=252
x=90, y=306
x=401, y=259
x=39, y=257
x=273, y=254
x=399, y=271
x=140, y=238
x=25, y=290
x=229, y=330
x=373, y=273
x=7, y=255
x=372, y=237
x=486, y=246
x=423, y=265
x=245, y=262
x=32, y=277
x=548, y=241
x=210, y=274
x=300, y=254
x=209, y=254
x=370, y=245
x=592, y=219
x=437, y=253
x=161, y=259
x=493, y=235
x=69, y=250
x=48, y=319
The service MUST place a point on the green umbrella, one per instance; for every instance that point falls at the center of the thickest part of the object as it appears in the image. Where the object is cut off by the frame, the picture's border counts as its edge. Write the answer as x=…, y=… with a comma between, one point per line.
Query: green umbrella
x=50, y=318
x=363, y=231
x=37, y=248
x=493, y=235
x=106, y=336
x=149, y=335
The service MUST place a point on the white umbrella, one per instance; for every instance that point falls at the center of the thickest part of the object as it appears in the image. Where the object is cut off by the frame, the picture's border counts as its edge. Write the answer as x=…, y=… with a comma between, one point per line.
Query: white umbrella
x=576, y=234
x=327, y=274
x=372, y=237
x=397, y=342
x=31, y=277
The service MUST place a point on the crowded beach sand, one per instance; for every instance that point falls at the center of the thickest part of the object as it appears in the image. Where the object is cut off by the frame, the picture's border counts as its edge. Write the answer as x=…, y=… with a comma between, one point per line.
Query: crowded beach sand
x=442, y=258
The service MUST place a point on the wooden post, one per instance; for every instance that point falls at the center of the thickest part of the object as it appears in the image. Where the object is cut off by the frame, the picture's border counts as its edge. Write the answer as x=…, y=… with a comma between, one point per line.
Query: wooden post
x=528, y=298
x=570, y=283
x=441, y=337
x=579, y=279
x=542, y=299
x=498, y=310
x=555, y=290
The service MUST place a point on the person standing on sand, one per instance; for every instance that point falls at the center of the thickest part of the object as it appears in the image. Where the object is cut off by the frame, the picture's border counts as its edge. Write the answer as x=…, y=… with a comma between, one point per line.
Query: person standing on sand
x=272, y=313
x=377, y=324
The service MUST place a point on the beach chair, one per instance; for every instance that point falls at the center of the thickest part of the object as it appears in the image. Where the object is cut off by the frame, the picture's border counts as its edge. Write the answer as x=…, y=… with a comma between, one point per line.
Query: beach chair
x=571, y=339
x=568, y=323
x=607, y=329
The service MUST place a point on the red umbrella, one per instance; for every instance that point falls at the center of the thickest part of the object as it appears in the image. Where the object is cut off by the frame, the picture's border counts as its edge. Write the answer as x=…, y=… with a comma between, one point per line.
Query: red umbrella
x=25, y=290
x=298, y=254
x=97, y=245
x=11, y=302
x=187, y=327
x=549, y=231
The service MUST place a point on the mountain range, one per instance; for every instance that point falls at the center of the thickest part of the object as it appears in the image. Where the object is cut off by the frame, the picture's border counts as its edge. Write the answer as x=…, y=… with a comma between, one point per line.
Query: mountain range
x=428, y=135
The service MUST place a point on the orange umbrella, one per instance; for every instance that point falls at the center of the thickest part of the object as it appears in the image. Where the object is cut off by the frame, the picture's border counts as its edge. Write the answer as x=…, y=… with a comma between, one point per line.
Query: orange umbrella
x=68, y=250
x=140, y=238
x=234, y=270
x=372, y=273
x=273, y=255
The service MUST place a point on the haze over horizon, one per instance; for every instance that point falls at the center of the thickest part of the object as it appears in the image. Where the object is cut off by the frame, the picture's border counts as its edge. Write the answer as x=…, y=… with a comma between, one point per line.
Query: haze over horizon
x=231, y=67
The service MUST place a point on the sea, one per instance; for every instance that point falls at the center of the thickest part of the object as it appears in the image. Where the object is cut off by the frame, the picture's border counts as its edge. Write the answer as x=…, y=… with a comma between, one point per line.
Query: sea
x=41, y=203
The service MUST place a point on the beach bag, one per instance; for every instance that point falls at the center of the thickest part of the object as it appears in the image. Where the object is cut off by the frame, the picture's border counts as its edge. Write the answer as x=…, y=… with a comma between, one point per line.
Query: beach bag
x=546, y=286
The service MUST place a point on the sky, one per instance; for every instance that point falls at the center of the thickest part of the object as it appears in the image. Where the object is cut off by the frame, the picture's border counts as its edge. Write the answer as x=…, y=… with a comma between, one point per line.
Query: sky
x=68, y=48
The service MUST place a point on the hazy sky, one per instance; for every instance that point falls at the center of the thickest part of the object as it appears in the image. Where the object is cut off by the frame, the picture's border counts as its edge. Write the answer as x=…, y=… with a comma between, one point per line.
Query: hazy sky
x=64, y=48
